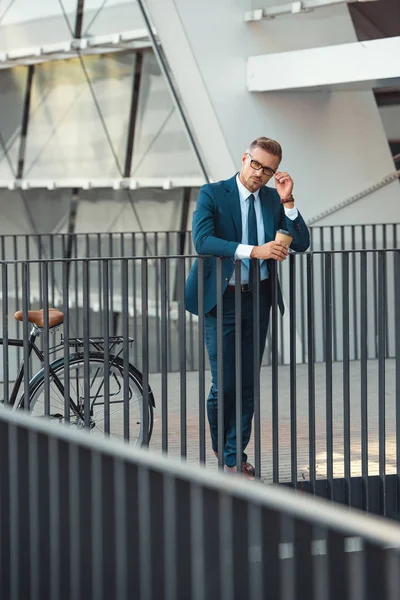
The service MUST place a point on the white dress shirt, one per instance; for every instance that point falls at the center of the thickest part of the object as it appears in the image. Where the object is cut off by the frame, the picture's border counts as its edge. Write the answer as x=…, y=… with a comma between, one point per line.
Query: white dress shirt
x=244, y=250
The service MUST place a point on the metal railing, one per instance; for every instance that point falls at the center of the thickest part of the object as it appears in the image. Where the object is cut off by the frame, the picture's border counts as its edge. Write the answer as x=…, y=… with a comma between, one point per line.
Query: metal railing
x=329, y=428
x=81, y=518
x=150, y=244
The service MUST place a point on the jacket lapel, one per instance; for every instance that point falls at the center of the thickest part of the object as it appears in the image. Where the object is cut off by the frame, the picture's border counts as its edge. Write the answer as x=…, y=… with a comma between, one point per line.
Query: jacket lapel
x=232, y=197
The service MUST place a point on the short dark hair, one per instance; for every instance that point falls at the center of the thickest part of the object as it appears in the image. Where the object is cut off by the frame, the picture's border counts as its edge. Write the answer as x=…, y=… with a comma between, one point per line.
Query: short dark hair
x=268, y=145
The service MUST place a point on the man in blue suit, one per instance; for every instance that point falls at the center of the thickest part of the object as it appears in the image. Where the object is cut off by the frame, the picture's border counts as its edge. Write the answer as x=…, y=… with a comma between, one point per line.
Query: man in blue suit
x=237, y=219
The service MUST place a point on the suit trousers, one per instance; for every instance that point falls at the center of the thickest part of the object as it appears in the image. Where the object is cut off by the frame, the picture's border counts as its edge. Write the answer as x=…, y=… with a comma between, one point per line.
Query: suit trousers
x=229, y=402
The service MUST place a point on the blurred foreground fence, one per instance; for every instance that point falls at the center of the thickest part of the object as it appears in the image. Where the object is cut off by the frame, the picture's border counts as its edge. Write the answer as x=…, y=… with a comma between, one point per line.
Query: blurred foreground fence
x=85, y=518
x=330, y=428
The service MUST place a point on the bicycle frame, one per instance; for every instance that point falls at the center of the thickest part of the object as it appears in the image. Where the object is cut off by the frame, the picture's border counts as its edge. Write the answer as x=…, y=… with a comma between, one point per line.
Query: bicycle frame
x=17, y=385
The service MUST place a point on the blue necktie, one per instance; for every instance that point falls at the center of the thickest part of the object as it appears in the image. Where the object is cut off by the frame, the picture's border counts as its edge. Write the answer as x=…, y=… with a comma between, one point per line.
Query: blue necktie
x=252, y=236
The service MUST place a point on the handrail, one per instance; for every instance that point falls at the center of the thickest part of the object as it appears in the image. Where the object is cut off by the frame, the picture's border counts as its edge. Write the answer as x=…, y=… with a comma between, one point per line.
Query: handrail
x=304, y=507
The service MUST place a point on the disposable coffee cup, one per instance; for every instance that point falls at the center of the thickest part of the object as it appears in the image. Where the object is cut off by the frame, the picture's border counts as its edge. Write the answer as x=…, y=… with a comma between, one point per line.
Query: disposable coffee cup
x=283, y=236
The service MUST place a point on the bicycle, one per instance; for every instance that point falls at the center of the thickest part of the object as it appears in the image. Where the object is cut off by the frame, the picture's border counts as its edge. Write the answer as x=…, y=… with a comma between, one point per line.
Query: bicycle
x=73, y=410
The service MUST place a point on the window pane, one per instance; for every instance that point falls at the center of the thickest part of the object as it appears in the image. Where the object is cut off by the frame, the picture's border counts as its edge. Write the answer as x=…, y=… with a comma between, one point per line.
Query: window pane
x=12, y=93
x=161, y=147
x=113, y=16
x=24, y=23
x=66, y=137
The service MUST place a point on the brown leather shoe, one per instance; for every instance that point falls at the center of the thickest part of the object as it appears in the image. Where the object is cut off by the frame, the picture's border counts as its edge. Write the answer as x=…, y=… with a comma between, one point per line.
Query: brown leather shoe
x=234, y=470
x=248, y=468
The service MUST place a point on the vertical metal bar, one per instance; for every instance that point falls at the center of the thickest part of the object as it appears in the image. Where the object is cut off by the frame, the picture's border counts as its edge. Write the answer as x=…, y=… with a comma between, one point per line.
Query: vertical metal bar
x=144, y=526
x=125, y=343
x=170, y=537
x=34, y=544
x=182, y=354
x=137, y=76
x=25, y=331
x=65, y=288
x=381, y=379
x=4, y=297
x=238, y=364
x=54, y=518
x=197, y=543
x=364, y=384
x=134, y=294
x=202, y=366
x=256, y=367
x=311, y=370
x=86, y=333
x=106, y=334
x=45, y=293
x=394, y=235
x=17, y=290
x=293, y=388
x=164, y=356
x=321, y=256
x=354, y=280
x=111, y=277
x=397, y=369
x=157, y=299
x=145, y=350
x=334, y=315
x=40, y=254
x=14, y=546
x=52, y=277
x=302, y=310
x=374, y=288
x=281, y=355
x=274, y=373
x=328, y=372
x=220, y=365
x=25, y=122
x=226, y=547
x=363, y=238
x=121, y=533
x=97, y=524
x=99, y=275
x=346, y=377
x=75, y=520
x=79, y=18
x=167, y=251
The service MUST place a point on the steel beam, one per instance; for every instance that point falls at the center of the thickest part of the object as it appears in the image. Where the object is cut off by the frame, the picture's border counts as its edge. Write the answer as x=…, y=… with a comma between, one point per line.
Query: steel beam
x=137, y=39
x=271, y=12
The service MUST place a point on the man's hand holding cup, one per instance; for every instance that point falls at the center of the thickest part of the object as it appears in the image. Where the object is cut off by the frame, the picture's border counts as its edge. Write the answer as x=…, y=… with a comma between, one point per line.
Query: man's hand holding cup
x=277, y=250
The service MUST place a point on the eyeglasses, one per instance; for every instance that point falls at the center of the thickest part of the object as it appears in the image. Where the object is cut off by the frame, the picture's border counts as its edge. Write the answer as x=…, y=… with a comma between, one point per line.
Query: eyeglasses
x=256, y=166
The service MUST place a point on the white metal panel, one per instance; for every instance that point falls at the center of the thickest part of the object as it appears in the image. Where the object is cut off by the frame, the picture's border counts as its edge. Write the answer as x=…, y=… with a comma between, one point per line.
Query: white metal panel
x=345, y=66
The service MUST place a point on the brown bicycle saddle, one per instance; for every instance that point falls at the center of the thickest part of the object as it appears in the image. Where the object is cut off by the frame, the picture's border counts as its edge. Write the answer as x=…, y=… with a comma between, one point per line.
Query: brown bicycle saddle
x=37, y=317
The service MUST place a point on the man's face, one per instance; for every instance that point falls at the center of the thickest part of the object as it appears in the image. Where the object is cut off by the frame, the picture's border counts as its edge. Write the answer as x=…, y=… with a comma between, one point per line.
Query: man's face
x=251, y=174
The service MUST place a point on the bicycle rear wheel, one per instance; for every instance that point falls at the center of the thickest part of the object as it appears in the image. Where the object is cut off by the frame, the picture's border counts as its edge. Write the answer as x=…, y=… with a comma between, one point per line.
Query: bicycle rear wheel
x=120, y=420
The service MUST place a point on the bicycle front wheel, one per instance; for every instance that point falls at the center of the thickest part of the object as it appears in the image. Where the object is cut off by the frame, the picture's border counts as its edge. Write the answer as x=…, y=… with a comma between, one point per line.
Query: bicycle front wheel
x=117, y=418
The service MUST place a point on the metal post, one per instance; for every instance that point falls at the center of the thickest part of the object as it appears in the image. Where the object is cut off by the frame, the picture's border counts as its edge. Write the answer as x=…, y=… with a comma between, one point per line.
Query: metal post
x=364, y=371
x=328, y=372
x=137, y=76
x=220, y=365
x=346, y=377
x=293, y=389
x=202, y=391
x=311, y=370
x=164, y=356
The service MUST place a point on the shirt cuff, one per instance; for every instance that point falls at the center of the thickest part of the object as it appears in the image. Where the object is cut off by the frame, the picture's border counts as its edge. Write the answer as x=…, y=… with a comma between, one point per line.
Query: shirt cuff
x=291, y=213
x=243, y=251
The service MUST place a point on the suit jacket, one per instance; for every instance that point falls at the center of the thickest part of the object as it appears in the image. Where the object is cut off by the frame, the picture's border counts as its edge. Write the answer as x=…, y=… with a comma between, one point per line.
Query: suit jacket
x=217, y=231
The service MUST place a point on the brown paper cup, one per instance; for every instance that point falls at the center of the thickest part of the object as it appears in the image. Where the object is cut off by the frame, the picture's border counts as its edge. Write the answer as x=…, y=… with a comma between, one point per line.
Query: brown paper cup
x=283, y=236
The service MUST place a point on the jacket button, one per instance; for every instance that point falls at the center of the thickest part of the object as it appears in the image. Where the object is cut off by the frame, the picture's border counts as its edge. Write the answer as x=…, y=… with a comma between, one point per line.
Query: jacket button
x=226, y=279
